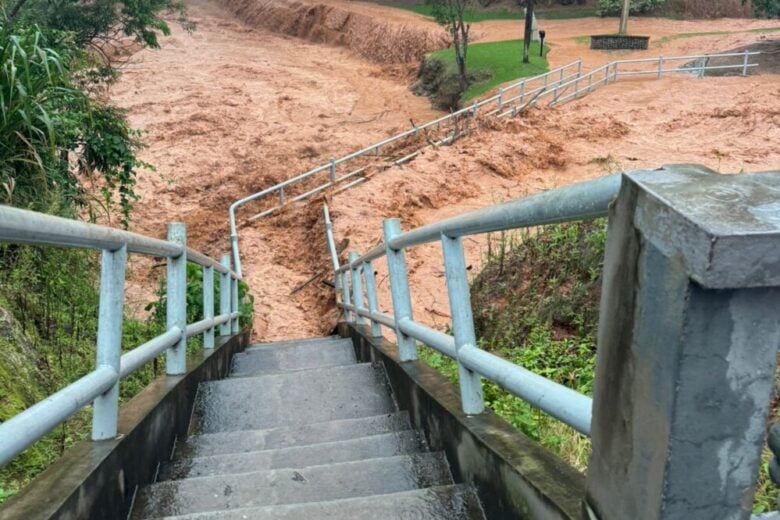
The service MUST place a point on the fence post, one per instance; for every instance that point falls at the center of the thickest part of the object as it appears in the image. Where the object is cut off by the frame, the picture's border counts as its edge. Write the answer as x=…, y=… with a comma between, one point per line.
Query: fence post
x=109, y=339
x=357, y=287
x=579, y=68
x=332, y=171
x=687, y=342
x=373, y=305
x=208, y=305
x=399, y=289
x=616, y=71
x=606, y=74
x=500, y=102
x=281, y=196
x=224, y=295
x=176, y=356
x=522, y=93
x=234, y=327
x=660, y=66
x=745, y=61
x=462, y=321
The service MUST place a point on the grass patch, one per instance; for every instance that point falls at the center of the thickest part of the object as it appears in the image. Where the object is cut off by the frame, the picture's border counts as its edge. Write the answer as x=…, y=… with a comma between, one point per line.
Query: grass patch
x=496, y=62
x=566, y=13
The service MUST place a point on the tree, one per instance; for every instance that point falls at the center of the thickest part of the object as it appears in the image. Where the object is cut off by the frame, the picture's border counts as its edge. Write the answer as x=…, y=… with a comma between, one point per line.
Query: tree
x=450, y=15
x=767, y=8
x=105, y=26
x=529, y=28
x=624, y=17
x=53, y=136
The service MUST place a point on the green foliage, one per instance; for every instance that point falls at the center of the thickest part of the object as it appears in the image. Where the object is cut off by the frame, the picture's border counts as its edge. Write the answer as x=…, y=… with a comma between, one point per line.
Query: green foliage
x=477, y=14
x=494, y=63
x=614, y=7
x=158, y=308
x=100, y=23
x=53, y=135
x=767, y=8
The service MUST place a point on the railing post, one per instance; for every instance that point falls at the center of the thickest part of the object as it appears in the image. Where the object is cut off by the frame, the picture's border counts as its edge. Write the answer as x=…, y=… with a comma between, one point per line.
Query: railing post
x=745, y=61
x=579, y=68
x=373, y=305
x=208, y=305
x=224, y=295
x=109, y=339
x=500, y=101
x=348, y=315
x=462, y=321
x=660, y=66
x=176, y=356
x=332, y=171
x=234, y=327
x=357, y=287
x=522, y=93
x=399, y=289
x=606, y=74
x=616, y=71
x=687, y=342
x=281, y=196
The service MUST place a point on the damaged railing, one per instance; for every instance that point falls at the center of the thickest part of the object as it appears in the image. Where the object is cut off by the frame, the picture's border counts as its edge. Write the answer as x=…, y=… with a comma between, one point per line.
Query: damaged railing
x=557, y=86
x=101, y=386
x=577, y=202
x=514, y=96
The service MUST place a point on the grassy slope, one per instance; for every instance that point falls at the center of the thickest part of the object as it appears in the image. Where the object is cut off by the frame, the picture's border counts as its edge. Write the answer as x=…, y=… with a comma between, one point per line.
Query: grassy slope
x=536, y=304
x=498, y=62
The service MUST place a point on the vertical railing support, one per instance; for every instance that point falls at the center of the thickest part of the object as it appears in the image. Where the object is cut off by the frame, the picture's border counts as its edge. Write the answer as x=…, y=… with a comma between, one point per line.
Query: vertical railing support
x=745, y=61
x=224, y=295
x=332, y=171
x=109, y=339
x=208, y=305
x=687, y=343
x=176, y=356
x=660, y=66
x=348, y=315
x=500, y=101
x=357, y=287
x=373, y=304
x=522, y=93
x=234, y=326
x=462, y=321
x=399, y=289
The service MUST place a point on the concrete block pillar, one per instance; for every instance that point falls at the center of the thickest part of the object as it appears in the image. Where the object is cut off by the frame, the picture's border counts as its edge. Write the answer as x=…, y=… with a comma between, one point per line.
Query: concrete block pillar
x=689, y=331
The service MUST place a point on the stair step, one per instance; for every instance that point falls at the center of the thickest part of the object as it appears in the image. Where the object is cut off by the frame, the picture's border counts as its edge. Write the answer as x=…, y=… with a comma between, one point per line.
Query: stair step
x=295, y=356
x=302, y=341
x=375, y=446
x=293, y=486
x=291, y=399
x=306, y=435
x=454, y=502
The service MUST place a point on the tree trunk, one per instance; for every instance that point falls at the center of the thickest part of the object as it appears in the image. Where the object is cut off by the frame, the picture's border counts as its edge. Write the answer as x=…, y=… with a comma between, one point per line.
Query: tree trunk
x=529, y=24
x=624, y=17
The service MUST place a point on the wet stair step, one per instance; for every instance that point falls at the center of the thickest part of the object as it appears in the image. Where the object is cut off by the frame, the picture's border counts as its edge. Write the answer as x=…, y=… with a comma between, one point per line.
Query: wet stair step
x=375, y=446
x=278, y=438
x=455, y=502
x=291, y=399
x=293, y=357
x=293, y=486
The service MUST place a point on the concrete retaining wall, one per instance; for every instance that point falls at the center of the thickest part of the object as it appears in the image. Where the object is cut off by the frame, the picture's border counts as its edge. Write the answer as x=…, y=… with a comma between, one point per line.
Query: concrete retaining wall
x=99, y=479
x=516, y=477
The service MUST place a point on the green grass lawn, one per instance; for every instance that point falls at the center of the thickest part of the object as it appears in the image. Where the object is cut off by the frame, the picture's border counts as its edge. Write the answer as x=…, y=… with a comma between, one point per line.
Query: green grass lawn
x=498, y=61
x=481, y=15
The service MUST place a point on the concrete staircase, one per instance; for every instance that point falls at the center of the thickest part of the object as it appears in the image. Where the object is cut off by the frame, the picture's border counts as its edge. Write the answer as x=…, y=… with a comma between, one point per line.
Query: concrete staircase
x=302, y=431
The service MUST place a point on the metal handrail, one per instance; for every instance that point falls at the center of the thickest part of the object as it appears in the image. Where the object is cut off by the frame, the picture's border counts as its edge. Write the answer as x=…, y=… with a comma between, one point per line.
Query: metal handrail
x=331, y=166
x=580, y=201
x=100, y=386
x=552, y=88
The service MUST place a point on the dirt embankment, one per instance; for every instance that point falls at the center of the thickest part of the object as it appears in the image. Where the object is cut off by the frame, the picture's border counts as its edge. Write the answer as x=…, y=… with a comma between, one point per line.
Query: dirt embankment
x=372, y=37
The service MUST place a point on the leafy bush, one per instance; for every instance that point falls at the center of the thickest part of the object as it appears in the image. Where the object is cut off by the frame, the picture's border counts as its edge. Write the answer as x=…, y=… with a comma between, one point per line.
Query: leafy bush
x=614, y=7
x=767, y=8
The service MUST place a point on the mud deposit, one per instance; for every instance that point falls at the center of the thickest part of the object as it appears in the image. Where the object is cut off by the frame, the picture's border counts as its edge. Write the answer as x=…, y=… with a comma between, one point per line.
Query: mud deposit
x=232, y=109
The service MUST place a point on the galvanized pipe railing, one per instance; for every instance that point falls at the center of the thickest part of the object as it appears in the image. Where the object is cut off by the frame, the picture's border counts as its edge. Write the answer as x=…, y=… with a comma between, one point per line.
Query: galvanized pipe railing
x=101, y=386
x=558, y=85
x=330, y=169
x=576, y=202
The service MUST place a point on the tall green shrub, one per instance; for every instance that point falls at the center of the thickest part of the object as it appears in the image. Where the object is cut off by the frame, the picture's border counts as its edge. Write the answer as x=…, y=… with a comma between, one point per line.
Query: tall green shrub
x=613, y=7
